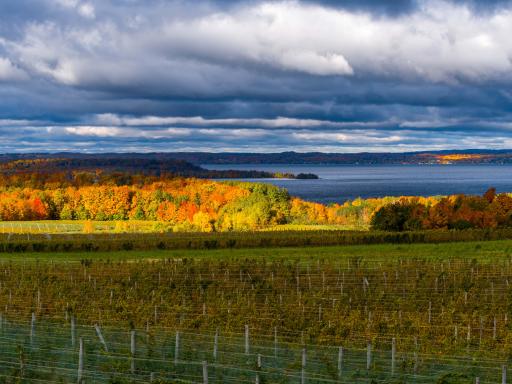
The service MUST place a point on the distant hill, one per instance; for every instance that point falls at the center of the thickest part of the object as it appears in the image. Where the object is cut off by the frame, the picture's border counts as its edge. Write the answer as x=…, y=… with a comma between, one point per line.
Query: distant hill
x=189, y=162
x=150, y=165
x=472, y=156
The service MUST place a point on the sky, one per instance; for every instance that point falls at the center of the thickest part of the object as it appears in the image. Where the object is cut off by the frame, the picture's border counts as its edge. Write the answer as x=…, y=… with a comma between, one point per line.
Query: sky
x=255, y=76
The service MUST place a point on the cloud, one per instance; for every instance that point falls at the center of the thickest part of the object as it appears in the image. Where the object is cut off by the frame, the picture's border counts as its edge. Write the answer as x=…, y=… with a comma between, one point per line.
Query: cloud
x=315, y=63
x=199, y=121
x=264, y=75
x=85, y=9
x=94, y=131
x=439, y=42
x=9, y=72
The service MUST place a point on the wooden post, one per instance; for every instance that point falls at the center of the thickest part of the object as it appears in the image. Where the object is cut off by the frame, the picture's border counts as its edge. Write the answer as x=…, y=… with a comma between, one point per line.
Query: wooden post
x=393, y=355
x=32, y=328
x=368, y=356
x=477, y=380
x=177, y=347
x=246, y=339
x=481, y=330
x=100, y=336
x=415, y=355
x=147, y=332
x=205, y=372
x=132, y=351
x=80, y=362
x=340, y=361
x=303, y=371
x=275, y=342
x=216, y=345
x=503, y=374
x=73, y=333
x=259, y=368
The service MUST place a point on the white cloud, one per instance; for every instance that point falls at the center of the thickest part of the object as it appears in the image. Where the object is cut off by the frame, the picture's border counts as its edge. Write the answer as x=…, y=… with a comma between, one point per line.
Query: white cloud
x=67, y=3
x=87, y=10
x=94, y=131
x=315, y=63
x=199, y=121
x=119, y=132
x=368, y=137
x=237, y=133
x=9, y=72
x=14, y=122
x=440, y=42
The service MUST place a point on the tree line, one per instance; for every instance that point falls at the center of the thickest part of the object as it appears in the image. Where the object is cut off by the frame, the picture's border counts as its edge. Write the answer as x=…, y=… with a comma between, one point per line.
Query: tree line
x=453, y=212
x=187, y=203
x=192, y=204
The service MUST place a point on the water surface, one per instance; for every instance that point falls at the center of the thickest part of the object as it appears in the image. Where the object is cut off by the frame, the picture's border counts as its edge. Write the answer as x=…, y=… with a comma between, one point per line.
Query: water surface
x=339, y=183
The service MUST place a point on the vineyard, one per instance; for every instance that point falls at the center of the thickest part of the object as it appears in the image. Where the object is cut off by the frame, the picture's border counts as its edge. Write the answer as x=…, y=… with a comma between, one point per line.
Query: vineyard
x=48, y=227
x=359, y=314
x=68, y=240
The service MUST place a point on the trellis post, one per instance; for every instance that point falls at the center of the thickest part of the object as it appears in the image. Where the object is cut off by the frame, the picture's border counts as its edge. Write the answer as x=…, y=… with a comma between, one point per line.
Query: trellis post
x=132, y=350
x=393, y=355
x=303, y=371
x=177, y=347
x=205, y=372
x=247, y=340
x=80, y=362
x=73, y=331
x=340, y=361
x=368, y=356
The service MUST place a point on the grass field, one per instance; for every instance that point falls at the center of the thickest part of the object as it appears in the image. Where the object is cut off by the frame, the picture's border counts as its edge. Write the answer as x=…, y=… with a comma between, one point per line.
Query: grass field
x=81, y=226
x=483, y=251
x=131, y=226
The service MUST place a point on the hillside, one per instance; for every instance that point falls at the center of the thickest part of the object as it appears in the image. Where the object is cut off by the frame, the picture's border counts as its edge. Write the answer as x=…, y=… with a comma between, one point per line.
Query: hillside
x=130, y=164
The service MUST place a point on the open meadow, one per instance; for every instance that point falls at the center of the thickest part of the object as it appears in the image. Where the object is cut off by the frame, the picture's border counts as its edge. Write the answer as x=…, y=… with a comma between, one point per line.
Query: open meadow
x=394, y=313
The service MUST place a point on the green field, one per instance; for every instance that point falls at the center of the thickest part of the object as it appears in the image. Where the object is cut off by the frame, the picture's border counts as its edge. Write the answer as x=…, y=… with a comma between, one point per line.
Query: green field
x=483, y=251
x=80, y=226
x=130, y=226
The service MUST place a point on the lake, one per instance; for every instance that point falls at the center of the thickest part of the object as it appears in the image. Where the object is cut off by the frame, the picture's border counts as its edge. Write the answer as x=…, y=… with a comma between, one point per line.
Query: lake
x=339, y=183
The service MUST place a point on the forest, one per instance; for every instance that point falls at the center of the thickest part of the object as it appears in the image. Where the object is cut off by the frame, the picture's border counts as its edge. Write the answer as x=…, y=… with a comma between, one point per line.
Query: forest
x=192, y=204
x=452, y=212
x=186, y=203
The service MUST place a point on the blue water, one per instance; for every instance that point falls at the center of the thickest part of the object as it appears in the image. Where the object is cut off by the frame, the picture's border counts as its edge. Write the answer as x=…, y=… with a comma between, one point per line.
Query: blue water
x=339, y=183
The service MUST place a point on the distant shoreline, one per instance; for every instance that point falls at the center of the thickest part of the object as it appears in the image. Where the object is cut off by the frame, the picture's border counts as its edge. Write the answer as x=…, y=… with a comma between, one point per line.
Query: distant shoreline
x=469, y=156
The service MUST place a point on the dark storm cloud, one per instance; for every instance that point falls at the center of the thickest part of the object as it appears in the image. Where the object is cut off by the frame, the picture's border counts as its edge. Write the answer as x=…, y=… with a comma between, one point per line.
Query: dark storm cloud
x=255, y=75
